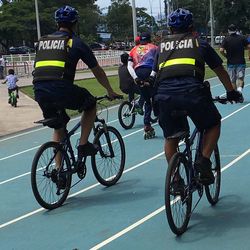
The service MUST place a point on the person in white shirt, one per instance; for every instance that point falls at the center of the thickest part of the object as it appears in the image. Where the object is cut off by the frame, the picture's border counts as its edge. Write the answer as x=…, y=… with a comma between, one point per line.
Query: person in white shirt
x=11, y=80
x=2, y=64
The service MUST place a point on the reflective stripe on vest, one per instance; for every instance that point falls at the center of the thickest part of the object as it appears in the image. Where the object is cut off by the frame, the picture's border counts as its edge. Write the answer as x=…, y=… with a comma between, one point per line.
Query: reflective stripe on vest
x=50, y=63
x=177, y=61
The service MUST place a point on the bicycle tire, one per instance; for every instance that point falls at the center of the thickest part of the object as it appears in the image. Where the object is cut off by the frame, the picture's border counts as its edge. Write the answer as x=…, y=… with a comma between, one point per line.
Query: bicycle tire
x=13, y=100
x=213, y=190
x=108, y=177
x=172, y=201
x=125, y=116
x=50, y=174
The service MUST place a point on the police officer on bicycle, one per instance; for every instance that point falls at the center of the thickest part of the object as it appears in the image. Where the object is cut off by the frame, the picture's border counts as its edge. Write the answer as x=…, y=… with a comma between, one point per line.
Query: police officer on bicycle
x=55, y=65
x=180, y=67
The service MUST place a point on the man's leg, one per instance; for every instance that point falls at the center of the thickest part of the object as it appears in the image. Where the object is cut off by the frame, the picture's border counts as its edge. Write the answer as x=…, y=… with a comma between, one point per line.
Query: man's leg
x=87, y=122
x=232, y=73
x=240, y=76
x=170, y=148
x=210, y=140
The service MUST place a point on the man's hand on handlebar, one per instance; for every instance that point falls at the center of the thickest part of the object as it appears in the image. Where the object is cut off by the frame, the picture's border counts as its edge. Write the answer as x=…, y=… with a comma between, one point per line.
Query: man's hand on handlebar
x=234, y=96
x=113, y=95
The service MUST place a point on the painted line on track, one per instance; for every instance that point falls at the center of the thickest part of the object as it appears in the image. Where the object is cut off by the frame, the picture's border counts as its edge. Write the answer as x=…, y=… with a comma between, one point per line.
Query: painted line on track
x=156, y=212
x=76, y=193
x=137, y=131
x=39, y=129
x=112, y=107
x=27, y=173
x=97, y=184
x=36, y=147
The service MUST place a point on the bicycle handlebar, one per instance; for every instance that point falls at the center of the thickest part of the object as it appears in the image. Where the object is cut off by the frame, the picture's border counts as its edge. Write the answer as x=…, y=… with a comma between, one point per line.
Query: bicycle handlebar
x=222, y=100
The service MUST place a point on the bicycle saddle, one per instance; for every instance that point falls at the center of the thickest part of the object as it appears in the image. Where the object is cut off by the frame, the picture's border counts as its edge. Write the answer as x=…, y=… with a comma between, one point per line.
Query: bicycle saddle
x=50, y=122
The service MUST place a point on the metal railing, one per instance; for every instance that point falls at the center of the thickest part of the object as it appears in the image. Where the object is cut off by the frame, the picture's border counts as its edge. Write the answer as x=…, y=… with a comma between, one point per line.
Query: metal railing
x=24, y=64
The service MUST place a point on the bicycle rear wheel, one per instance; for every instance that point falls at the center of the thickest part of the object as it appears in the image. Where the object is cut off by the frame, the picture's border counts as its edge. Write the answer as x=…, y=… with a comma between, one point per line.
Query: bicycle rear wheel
x=178, y=204
x=213, y=190
x=50, y=184
x=108, y=163
x=126, y=115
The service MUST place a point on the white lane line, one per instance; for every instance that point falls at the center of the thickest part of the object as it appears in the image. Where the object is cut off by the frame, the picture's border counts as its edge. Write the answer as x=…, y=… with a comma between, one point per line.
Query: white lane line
x=36, y=147
x=39, y=129
x=137, y=131
x=112, y=107
x=27, y=173
x=156, y=212
x=27, y=150
x=76, y=193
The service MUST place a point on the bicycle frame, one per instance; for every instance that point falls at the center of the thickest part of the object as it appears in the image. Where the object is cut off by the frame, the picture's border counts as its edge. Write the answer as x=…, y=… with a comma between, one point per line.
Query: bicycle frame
x=66, y=143
x=189, y=141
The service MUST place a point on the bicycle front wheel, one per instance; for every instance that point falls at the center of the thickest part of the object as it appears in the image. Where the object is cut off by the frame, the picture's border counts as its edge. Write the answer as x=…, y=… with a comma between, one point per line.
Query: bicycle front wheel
x=108, y=163
x=126, y=115
x=178, y=199
x=50, y=175
x=213, y=190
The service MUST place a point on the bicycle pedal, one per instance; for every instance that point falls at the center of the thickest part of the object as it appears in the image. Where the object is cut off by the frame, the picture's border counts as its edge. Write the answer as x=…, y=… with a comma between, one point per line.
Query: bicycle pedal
x=81, y=171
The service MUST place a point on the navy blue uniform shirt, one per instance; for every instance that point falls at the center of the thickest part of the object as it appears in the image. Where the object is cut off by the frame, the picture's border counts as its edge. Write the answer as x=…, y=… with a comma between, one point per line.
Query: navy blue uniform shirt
x=182, y=84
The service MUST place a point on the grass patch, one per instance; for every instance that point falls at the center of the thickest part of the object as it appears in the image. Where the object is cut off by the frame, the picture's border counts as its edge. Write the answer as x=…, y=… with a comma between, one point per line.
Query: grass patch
x=91, y=85
x=97, y=90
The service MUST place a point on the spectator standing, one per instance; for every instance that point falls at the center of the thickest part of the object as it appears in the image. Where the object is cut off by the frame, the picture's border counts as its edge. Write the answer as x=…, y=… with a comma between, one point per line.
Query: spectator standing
x=233, y=48
x=2, y=65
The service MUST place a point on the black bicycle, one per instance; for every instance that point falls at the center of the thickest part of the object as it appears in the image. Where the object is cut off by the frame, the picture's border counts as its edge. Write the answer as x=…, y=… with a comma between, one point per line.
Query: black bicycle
x=178, y=203
x=55, y=163
x=127, y=112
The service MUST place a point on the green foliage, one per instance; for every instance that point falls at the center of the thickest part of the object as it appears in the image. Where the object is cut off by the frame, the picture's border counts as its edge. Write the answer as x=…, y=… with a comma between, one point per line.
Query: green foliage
x=119, y=19
x=225, y=13
x=18, y=19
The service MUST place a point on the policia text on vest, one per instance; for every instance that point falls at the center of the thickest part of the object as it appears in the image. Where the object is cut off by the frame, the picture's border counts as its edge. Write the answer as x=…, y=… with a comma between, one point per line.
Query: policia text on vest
x=180, y=56
x=52, y=59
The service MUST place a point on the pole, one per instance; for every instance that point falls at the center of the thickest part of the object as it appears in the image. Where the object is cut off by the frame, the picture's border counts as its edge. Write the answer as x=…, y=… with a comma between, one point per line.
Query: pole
x=37, y=21
x=134, y=19
x=152, y=20
x=211, y=23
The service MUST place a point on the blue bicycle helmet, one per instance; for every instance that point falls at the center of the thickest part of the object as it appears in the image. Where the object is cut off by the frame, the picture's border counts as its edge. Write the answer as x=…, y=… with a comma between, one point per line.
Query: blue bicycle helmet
x=180, y=19
x=66, y=14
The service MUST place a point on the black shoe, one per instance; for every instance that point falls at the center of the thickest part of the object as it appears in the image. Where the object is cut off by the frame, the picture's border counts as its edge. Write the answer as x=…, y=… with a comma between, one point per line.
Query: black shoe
x=204, y=166
x=178, y=187
x=9, y=101
x=86, y=150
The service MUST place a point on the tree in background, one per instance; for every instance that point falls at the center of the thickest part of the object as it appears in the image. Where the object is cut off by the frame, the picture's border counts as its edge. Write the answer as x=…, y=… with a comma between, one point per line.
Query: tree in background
x=18, y=20
x=225, y=13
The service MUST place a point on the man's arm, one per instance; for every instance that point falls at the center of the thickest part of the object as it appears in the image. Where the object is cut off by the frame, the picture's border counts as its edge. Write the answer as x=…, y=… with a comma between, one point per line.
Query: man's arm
x=131, y=70
x=103, y=80
x=223, y=52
